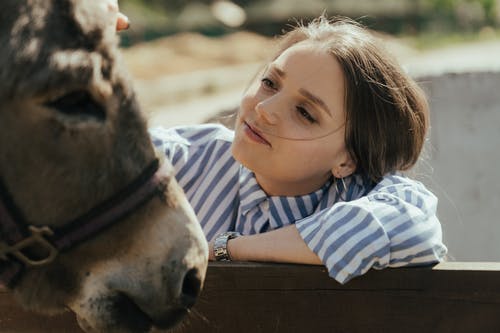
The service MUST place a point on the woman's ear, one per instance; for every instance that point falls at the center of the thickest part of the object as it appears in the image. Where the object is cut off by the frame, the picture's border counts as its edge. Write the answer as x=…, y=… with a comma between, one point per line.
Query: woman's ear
x=344, y=168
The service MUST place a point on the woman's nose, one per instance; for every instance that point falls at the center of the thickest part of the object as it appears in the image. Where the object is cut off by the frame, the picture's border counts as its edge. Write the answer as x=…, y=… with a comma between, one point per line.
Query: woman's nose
x=267, y=111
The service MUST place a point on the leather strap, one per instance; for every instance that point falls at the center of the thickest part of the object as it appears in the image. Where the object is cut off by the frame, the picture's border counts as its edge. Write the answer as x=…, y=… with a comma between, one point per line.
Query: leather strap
x=17, y=235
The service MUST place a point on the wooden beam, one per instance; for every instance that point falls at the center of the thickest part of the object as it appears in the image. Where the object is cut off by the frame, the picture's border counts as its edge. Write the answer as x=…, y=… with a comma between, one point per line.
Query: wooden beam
x=260, y=297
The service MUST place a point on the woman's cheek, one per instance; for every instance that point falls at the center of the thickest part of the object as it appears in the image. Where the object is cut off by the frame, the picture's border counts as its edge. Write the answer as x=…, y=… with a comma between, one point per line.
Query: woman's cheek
x=246, y=105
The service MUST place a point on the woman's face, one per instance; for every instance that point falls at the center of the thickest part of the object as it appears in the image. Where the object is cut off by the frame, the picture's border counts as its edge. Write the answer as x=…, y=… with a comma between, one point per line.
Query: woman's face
x=290, y=128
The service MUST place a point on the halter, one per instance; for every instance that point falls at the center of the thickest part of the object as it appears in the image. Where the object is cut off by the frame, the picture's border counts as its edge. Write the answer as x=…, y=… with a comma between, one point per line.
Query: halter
x=16, y=235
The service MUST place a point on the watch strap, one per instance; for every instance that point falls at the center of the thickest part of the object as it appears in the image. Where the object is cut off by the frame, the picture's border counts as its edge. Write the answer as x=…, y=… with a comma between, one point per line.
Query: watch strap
x=221, y=253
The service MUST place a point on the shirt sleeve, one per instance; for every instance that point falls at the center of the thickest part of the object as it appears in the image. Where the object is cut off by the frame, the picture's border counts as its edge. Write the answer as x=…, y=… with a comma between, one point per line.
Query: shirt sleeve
x=170, y=142
x=180, y=144
x=393, y=225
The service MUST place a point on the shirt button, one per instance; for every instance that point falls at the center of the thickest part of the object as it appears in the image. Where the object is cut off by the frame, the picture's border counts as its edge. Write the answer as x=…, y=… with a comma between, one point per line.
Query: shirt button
x=265, y=205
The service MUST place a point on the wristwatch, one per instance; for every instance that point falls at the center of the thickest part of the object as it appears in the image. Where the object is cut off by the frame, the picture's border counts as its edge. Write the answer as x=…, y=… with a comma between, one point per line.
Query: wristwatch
x=221, y=252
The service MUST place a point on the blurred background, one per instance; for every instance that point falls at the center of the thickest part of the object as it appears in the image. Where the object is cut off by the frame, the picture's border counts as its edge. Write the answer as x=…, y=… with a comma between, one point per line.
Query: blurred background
x=153, y=18
x=191, y=61
x=169, y=39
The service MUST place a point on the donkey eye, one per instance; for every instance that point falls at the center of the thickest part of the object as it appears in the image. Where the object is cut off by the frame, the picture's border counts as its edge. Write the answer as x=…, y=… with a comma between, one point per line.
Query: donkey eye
x=78, y=104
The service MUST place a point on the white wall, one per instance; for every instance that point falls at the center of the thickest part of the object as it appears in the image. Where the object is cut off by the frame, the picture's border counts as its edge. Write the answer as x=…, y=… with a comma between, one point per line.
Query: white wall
x=462, y=166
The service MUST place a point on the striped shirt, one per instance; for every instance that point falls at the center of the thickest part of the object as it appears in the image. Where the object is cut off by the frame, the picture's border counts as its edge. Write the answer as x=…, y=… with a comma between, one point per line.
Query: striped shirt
x=352, y=228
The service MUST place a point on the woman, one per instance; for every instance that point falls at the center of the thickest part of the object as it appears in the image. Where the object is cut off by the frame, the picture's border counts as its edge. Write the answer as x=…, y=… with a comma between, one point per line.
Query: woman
x=311, y=173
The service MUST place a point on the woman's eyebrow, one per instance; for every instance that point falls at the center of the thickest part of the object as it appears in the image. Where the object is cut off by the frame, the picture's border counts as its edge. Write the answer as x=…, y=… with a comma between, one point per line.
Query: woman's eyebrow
x=278, y=71
x=316, y=100
x=313, y=98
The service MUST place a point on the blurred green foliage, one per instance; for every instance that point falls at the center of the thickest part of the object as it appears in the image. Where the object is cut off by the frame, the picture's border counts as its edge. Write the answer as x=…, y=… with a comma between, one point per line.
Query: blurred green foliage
x=153, y=18
x=461, y=13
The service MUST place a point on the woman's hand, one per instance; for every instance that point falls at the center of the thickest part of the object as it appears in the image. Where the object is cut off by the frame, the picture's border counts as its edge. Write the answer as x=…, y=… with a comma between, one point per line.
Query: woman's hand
x=120, y=21
x=211, y=255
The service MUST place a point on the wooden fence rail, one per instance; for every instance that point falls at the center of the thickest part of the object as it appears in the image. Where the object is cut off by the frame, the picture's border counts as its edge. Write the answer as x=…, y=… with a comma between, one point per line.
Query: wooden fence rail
x=256, y=297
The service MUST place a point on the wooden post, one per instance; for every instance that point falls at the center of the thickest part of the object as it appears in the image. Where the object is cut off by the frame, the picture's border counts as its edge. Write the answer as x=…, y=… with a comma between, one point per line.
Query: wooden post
x=259, y=297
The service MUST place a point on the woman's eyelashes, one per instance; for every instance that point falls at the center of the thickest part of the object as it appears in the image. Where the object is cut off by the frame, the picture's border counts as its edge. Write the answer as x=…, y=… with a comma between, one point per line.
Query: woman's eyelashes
x=305, y=114
x=268, y=83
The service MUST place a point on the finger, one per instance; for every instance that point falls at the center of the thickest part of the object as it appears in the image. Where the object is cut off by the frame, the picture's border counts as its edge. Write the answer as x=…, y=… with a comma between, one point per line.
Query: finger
x=122, y=22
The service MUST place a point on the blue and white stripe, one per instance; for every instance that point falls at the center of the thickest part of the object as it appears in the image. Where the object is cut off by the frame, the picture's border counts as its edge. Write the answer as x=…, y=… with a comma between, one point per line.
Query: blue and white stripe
x=352, y=229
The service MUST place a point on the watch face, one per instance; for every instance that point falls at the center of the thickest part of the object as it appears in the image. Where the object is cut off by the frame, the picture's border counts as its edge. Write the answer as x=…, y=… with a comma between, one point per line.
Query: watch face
x=219, y=252
x=221, y=255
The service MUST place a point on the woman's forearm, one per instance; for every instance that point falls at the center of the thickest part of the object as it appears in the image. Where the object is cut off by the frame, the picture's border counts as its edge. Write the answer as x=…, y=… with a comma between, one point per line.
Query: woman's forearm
x=281, y=245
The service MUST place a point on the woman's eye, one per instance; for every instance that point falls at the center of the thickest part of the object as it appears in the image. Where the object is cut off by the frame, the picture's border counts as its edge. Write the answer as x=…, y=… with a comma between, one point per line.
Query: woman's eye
x=306, y=115
x=268, y=83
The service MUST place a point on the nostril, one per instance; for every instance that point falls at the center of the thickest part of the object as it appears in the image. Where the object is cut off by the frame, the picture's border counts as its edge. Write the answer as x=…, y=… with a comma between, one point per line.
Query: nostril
x=191, y=287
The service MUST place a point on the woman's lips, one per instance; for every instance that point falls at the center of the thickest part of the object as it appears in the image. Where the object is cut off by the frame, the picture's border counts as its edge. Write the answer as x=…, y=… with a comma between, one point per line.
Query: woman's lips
x=254, y=134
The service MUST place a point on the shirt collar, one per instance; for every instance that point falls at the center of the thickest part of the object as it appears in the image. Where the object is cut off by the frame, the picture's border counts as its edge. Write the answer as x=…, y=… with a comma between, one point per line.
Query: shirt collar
x=251, y=194
x=280, y=208
x=287, y=210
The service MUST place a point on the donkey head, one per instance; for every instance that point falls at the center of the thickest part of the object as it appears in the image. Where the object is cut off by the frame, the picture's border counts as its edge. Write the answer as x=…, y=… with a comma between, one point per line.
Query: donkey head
x=71, y=138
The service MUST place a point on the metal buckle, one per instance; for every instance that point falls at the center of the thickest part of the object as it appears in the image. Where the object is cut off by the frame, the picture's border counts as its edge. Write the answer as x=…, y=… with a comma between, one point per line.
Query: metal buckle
x=36, y=238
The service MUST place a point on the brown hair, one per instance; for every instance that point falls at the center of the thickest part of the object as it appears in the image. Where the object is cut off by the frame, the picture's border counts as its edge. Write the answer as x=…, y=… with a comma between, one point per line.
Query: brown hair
x=386, y=112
